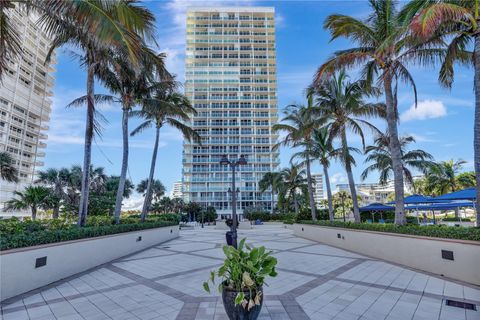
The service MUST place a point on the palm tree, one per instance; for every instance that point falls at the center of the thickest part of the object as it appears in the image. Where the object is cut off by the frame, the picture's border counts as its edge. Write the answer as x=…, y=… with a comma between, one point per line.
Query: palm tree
x=8, y=171
x=340, y=103
x=457, y=21
x=293, y=180
x=321, y=149
x=129, y=84
x=380, y=155
x=126, y=24
x=441, y=178
x=270, y=180
x=33, y=197
x=121, y=23
x=383, y=48
x=165, y=107
x=466, y=180
x=56, y=180
x=299, y=125
x=157, y=188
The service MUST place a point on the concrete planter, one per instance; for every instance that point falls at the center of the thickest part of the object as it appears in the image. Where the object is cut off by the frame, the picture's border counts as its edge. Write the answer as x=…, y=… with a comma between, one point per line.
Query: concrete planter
x=432, y=255
x=25, y=269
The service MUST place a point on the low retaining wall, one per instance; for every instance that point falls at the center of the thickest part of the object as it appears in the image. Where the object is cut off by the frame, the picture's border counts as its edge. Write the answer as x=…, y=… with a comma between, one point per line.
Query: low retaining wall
x=25, y=269
x=424, y=253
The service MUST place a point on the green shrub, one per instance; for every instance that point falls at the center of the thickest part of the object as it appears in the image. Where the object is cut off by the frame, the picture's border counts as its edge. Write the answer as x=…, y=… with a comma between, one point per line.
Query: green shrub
x=17, y=234
x=436, y=231
x=306, y=214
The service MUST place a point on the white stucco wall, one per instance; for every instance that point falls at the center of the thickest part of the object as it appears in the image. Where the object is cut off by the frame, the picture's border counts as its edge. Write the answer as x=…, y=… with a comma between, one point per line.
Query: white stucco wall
x=19, y=275
x=421, y=253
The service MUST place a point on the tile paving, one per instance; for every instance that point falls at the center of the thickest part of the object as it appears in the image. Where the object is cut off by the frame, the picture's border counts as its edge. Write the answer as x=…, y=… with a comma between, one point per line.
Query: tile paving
x=315, y=281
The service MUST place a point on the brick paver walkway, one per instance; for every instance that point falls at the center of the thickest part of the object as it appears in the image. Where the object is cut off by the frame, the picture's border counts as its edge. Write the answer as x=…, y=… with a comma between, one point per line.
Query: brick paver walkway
x=315, y=281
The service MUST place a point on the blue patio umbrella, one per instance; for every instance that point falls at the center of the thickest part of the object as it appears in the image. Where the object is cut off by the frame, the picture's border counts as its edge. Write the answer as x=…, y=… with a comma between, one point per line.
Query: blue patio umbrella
x=376, y=207
x=441, y=206
x=414, y=199
x=465, y=194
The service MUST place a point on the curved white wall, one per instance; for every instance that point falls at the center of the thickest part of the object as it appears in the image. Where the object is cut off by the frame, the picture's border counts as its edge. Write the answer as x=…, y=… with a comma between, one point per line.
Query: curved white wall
x=421, y=253
x=17, y=267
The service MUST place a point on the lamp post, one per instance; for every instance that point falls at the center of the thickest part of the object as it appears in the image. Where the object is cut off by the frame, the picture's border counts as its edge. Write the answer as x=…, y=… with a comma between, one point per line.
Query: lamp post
x=233, y=164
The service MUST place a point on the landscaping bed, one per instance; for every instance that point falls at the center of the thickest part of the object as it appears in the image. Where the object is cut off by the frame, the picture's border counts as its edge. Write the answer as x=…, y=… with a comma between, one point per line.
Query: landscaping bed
x=436, y=231
x=18, y=234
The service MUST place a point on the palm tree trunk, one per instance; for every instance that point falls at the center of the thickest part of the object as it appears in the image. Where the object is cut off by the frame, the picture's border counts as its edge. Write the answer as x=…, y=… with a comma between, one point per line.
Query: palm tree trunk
x=331, y=216
x=310, y=189
x=351, y=182
x=295, y=203
x=87, y=152
x=273, y=200
x=148, y=193
x=123, y=172
x=395, y=150
x=56, y=211
x=476, y=130
x=34, y=213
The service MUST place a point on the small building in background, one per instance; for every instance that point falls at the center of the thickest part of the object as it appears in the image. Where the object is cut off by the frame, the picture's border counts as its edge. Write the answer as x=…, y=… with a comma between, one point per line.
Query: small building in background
x=177, y=192
x=318, y=190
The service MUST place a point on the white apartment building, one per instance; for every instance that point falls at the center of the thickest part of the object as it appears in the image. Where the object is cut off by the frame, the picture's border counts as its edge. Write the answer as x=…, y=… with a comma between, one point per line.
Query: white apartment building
x=318, y=191
x=231, y=81
x=25, y=104
x=177, y=190
x=373, y=192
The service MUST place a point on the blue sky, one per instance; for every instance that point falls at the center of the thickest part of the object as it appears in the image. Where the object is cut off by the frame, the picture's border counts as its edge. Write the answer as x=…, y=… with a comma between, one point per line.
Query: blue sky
x=442, y=123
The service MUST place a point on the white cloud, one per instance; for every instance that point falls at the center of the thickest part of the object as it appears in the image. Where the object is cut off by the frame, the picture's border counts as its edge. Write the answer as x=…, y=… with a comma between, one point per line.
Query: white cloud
x=134, y=202
x=338, y=178
x=427, y=109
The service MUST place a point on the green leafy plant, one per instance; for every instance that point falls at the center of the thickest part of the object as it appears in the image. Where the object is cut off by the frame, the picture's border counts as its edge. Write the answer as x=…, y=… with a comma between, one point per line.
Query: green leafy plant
x=244, y=270
x=436, y=231
x=17, y=234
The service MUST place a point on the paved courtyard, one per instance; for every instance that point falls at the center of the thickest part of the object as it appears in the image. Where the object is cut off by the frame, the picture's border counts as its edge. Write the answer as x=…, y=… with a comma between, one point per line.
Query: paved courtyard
x=315, y=281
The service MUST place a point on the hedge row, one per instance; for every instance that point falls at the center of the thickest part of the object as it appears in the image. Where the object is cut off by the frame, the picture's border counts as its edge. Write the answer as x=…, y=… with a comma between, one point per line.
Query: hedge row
x=436, y=231
x=27, y=239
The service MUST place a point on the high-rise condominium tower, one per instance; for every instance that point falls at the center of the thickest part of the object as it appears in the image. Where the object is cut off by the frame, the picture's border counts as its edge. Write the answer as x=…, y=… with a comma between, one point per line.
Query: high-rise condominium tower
x=25, y=103
x=231, y=81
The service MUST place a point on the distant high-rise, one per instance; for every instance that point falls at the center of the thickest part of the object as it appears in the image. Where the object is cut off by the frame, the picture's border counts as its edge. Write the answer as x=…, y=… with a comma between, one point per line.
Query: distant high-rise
x=25, y=103
x=231, y=81
x=177, y=190
x=318, y=193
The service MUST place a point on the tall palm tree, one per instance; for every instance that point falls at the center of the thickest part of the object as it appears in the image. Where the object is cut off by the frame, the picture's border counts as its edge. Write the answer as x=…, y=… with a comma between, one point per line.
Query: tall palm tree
x=292, y=181
x=56, y=180
x=457, y=21
x=340, y=103
x=129, y=84
x=383, y=47
x=380, y=155
x=299, y=124
x=8, y=171
x=441, y=178
x=157, y=189
x=33, y=198
x=166, y=107
x=126, y=26
x=270, y=180
x=321, y=149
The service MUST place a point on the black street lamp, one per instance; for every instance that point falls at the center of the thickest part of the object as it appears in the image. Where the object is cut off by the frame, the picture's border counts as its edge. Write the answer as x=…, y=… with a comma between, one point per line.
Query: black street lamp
x=233, y=164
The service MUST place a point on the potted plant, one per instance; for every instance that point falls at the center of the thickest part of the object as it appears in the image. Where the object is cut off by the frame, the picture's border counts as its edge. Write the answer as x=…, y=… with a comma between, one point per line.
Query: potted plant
x=242, y=276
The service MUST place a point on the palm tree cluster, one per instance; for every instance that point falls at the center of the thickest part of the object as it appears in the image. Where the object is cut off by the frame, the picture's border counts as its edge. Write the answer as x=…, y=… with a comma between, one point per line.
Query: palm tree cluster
x=114, y=41
x=60, y=189
x=384, y=45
